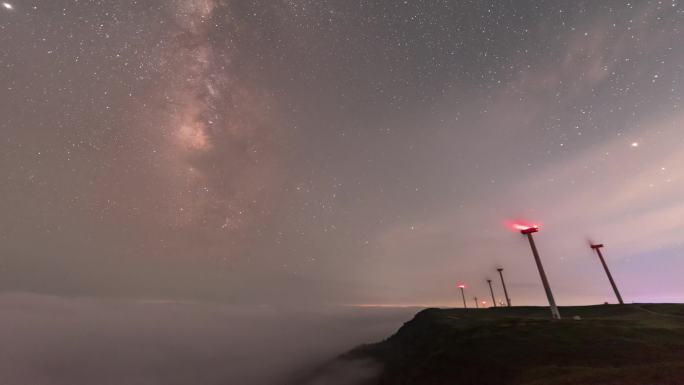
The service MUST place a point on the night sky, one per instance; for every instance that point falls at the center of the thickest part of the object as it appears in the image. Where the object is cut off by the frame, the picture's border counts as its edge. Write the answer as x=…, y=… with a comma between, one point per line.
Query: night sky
x=340, y=151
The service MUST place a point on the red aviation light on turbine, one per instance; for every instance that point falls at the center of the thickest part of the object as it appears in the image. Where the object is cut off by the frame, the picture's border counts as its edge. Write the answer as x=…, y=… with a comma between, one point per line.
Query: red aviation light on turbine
x=461, y=286
x=525, y=229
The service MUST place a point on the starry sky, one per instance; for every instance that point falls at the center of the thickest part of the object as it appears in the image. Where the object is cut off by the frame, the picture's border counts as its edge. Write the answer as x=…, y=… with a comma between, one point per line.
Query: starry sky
x=340, y=151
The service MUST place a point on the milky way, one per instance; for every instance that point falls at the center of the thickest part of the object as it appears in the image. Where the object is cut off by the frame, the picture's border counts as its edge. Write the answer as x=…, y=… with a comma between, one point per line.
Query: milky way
x=215, y=127
x=339, y=151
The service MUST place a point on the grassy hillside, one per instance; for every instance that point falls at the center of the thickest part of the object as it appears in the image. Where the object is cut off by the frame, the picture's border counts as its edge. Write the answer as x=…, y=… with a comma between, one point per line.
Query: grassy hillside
x=611, y=344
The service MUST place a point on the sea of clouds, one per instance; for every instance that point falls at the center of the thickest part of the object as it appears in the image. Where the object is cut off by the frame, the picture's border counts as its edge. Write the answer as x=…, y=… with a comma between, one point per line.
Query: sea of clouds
x=76, y=341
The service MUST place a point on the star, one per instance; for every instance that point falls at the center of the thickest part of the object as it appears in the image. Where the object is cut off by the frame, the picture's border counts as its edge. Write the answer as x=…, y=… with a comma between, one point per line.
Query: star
x=8, y=6
x=635, y=144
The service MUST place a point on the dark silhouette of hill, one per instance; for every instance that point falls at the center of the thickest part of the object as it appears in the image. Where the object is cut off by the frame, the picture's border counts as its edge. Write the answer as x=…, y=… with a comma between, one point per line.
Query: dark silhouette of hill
x=637, y=344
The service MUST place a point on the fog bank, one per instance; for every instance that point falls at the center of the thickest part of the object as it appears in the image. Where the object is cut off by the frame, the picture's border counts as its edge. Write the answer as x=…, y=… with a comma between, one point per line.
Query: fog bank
x=52, y=340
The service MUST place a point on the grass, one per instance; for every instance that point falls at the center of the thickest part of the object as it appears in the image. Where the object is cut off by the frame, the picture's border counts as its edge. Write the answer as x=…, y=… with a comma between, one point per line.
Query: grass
x=630, y=344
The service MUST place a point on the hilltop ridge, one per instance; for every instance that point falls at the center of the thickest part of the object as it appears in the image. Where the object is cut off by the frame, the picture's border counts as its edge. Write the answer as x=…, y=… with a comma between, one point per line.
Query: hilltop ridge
x=603, y=344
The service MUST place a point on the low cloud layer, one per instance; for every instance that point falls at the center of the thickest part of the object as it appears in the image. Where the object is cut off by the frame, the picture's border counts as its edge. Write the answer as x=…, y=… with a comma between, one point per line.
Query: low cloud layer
x=58, y=341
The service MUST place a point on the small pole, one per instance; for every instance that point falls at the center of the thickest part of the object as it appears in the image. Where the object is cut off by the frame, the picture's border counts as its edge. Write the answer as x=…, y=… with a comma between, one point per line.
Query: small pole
x=610, y=276
x=463, y=295
x=476, y=304
x=503, y=283
x=552, y=303
x=489, y=281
